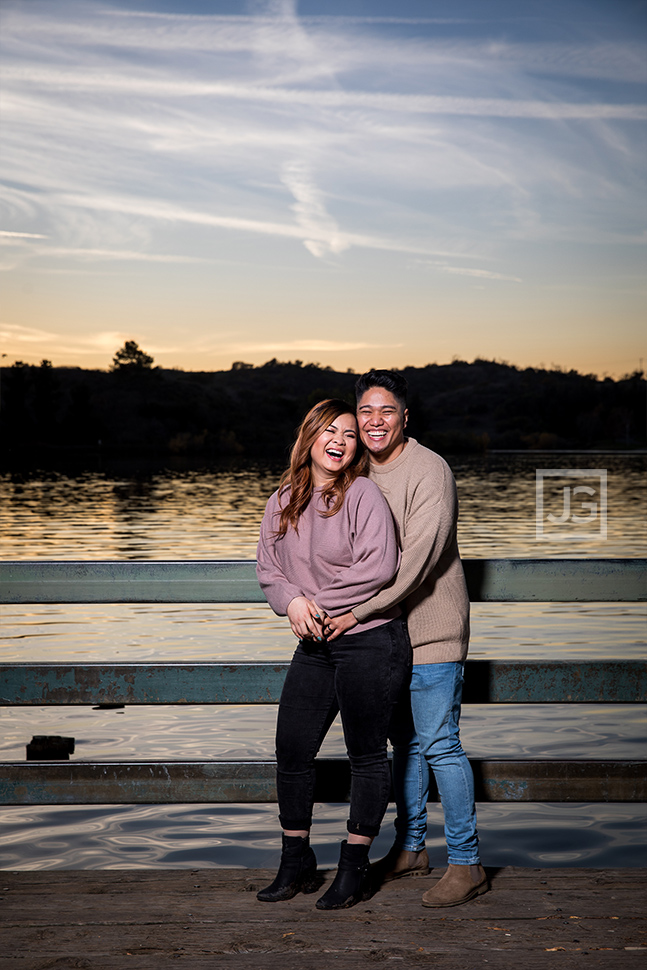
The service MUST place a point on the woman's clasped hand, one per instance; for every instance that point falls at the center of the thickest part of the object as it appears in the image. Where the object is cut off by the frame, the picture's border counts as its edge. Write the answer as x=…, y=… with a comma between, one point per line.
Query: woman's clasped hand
x=306, y=619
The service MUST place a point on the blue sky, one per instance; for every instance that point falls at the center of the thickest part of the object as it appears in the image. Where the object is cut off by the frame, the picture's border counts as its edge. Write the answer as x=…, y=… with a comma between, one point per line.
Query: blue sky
x=357, y=184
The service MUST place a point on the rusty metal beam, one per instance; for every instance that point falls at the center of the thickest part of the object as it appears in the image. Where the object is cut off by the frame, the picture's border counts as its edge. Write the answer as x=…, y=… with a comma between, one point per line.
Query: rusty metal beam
x=560, y=781
x=493, y=681
x=165, y=683
x=234, y=581
x=555, y=682
x=116, y=783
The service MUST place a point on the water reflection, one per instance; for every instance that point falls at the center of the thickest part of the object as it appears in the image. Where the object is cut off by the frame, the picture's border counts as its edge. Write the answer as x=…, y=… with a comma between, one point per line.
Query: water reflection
x=244, y=732
x=213, y=514
x=140, y=632
x=192, y=836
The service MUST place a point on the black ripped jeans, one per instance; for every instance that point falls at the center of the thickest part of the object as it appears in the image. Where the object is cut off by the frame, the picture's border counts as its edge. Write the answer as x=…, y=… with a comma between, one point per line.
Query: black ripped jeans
x=360, y=675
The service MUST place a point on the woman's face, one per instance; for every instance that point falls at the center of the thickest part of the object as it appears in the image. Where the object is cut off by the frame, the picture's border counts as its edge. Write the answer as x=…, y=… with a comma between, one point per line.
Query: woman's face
x=334, y=449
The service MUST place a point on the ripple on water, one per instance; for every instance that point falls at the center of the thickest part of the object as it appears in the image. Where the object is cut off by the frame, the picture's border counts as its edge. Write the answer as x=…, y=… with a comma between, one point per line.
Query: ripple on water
x=186, y=836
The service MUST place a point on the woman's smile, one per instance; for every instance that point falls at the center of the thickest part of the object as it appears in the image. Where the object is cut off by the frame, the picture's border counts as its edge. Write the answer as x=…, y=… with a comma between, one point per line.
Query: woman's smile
x=334, y=449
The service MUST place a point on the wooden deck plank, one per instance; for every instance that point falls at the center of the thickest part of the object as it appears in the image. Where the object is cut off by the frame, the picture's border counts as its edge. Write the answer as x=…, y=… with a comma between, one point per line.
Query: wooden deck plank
x=249, y=957
x=82, y=881
x=534, y=895
x=100, y=920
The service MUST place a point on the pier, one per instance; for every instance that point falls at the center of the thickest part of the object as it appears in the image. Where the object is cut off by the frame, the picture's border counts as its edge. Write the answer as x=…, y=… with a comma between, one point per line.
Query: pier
x=155, y=918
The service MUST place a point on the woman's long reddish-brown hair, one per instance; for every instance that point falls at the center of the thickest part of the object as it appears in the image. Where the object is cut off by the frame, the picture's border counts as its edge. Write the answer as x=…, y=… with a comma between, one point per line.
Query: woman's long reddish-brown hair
x=297, y=483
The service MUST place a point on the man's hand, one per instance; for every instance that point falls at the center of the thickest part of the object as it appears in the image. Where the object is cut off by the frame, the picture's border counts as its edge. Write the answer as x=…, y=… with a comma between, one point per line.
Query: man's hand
x=306, y=619
x=335, y=626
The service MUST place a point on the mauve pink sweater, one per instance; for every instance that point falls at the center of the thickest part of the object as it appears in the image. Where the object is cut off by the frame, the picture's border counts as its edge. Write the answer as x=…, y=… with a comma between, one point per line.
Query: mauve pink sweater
x=339, y=561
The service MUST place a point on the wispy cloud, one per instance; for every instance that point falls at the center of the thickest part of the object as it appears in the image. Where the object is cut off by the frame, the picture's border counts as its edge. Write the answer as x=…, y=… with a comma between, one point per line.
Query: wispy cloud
x=26, y=335
x=285, y=35
x=313, y=227
x=108, y=341
x=159, y=87
x=321, y=232
x=6, y=234
x=105, y=340
x=481, y=274
x=126, y=255
x=310, y=346
x=114, y=120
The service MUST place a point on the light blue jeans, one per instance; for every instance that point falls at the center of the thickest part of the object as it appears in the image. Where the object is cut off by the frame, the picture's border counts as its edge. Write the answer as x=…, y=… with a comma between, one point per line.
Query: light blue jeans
x=425, y=736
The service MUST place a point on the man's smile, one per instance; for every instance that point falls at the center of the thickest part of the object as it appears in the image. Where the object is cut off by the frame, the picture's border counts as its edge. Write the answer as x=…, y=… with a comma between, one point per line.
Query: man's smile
x=382, y=421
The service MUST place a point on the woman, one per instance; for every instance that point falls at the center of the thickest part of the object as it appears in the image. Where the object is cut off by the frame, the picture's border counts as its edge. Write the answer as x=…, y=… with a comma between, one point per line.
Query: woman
x=327, y=544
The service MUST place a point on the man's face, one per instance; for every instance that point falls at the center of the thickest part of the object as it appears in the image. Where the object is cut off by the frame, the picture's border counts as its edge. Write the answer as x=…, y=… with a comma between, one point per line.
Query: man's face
x=382, y=421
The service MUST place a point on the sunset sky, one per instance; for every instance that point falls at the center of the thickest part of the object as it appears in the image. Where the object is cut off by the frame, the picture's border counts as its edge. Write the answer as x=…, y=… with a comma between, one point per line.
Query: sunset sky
x=350, y=182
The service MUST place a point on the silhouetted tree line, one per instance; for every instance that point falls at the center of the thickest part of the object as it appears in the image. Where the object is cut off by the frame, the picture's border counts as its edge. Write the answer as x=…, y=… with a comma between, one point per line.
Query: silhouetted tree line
x=139, y=410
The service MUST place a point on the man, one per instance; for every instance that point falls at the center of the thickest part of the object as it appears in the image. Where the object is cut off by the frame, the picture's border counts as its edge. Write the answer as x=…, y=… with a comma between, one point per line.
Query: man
x=421, y=492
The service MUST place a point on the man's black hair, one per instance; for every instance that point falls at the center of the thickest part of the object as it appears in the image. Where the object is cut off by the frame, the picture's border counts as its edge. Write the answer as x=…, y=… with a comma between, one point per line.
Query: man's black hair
x=388, y=379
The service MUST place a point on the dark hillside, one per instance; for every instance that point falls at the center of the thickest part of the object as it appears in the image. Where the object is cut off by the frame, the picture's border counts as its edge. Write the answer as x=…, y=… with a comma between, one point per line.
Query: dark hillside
x=252, y=411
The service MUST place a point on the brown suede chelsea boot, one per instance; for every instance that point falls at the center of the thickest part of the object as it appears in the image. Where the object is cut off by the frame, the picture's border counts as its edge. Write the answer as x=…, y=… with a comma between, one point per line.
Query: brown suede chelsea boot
x=458, y=885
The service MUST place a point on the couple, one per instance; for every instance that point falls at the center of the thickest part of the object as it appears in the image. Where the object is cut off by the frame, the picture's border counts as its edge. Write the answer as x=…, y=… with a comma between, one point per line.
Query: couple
x=330, y=559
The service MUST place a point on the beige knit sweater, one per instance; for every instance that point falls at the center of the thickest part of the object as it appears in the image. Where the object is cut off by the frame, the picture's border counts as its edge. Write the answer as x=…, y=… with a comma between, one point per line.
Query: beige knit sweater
x=421, y=492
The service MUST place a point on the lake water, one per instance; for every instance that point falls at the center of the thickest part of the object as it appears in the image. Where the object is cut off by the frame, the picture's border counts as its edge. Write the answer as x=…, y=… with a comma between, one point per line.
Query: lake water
x=214, y=513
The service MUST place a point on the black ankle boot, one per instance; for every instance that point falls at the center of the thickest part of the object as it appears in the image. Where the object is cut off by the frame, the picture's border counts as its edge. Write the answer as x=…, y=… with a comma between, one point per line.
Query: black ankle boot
x=352, y=884
x=297, y=872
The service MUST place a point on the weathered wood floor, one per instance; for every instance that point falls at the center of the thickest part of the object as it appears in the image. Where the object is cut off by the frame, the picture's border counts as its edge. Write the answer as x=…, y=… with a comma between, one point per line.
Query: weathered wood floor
x=532, y=918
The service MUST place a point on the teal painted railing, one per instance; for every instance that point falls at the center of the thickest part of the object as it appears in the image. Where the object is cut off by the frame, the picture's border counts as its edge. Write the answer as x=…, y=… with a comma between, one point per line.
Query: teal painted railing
x=501, y=682
x=234, y=581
